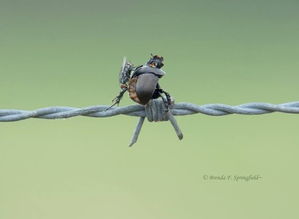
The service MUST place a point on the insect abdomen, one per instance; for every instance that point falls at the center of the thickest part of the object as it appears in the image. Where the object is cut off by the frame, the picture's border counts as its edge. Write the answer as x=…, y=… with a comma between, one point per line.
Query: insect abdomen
x=132, y=90
x=142, y=87
x=145, y=87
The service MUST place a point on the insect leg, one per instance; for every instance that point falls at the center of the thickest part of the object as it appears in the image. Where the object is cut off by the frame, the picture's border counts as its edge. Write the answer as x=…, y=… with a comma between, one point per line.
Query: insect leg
x=118, y=98
x=158, y=93
x=164, y=101
x=168, y=97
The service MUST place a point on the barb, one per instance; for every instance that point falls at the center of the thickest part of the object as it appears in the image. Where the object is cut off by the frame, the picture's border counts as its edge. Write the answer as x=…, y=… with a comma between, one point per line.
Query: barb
x=179, y=109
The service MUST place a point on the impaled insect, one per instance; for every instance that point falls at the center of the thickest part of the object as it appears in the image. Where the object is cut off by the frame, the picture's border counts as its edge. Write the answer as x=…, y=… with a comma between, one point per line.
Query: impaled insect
x=142, y=82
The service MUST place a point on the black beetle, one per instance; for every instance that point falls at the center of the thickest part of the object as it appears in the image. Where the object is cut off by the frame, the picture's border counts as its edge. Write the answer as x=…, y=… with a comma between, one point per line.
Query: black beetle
x=142, y=82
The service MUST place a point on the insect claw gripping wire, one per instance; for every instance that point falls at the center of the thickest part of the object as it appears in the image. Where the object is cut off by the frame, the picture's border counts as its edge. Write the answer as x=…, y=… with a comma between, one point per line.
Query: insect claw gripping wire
x=156, y=111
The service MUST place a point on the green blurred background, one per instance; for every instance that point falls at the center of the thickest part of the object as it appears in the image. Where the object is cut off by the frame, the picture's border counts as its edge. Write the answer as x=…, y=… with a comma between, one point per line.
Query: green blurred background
x=68, y=53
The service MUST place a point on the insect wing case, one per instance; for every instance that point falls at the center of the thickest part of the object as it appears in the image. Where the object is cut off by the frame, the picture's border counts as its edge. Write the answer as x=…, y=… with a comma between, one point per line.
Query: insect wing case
x=125, y=71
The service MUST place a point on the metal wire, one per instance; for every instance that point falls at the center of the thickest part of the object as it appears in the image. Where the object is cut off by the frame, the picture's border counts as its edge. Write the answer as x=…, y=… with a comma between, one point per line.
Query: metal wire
x=154, y=111
x=179, y=109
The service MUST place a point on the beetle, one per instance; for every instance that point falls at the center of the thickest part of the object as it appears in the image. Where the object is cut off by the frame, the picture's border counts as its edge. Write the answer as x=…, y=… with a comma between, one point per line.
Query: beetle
x=142, y=82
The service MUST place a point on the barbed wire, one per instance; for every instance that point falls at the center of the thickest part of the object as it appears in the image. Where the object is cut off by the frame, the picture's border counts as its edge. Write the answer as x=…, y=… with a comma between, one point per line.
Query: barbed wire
x=178, y=109
x=154, y=111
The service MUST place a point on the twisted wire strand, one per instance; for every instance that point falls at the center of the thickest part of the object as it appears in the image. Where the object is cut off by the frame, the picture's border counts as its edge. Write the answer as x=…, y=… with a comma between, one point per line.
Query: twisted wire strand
x=179, y=109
